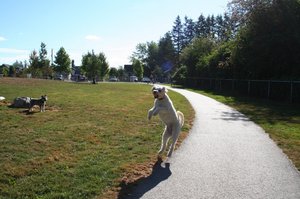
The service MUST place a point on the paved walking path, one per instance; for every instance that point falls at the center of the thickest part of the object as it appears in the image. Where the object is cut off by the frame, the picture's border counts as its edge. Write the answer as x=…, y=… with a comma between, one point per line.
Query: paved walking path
x=225, y=156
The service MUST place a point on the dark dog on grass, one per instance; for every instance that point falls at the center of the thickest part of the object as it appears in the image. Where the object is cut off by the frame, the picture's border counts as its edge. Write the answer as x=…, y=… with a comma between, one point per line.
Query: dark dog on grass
x=38, y=102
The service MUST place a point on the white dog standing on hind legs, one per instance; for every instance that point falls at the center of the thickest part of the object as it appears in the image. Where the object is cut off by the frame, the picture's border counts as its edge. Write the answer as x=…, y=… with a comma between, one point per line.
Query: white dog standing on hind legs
x=173, y=119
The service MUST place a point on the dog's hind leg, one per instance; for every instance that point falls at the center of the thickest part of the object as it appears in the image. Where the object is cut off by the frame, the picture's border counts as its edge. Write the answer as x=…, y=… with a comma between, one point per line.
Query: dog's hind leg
x=165, y=137
x=175, y=135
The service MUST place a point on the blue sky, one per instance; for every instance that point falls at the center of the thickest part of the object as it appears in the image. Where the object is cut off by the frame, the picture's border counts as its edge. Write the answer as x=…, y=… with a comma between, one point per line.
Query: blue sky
x=113, y=27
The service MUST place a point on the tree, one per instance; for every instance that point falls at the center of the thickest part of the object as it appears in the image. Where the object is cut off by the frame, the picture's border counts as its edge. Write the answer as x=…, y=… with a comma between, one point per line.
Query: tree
x=104, y=66
x=230, y=26
x=138, y=68
x=220, y=29
x=180, y=76
x=113, y=72
x=191, y=55
x=4, y=70
x=121, y=73
x=140, y=53
x=147, y=54
x=268, y=44
x=44, y=62
x=210, y=26
x=177, y=36
x=166, y=54
x=12, y=71
x=188, y=31
x=43, y=54
x=91, y=66
x=62, y=61
x=34, y=64
x=216, y=64
x=95, y=66
x=200, y=27
x=151, y=61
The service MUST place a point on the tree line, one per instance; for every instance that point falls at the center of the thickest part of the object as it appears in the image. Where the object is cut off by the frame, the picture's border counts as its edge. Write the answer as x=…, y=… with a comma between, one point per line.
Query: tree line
x=254, y=39
x=94, y=66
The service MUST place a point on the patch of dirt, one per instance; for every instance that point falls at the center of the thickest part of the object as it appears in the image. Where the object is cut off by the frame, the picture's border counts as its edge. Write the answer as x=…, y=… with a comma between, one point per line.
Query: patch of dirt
x=135, y=174
x=5, y=103
x=50, y=108
x=132, y=176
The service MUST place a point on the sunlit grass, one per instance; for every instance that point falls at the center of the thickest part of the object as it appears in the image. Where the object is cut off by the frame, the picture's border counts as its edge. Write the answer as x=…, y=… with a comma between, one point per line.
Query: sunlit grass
x=85, y=141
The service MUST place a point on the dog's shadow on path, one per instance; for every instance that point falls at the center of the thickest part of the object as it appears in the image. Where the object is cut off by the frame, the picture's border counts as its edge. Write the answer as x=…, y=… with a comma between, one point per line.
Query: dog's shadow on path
x=160, y=172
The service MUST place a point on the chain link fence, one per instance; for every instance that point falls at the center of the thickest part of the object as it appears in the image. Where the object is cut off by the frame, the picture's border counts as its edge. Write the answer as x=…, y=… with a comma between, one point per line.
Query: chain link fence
x=288, y=91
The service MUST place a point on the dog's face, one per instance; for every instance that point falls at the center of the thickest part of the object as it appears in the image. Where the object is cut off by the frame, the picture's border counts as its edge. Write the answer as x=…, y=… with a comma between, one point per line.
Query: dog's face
x=44, y=98
x=159, y=92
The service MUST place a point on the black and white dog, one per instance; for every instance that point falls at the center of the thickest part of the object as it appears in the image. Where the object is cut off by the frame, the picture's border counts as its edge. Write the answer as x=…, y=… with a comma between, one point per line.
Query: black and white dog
x=38, y=102
x=172, y=119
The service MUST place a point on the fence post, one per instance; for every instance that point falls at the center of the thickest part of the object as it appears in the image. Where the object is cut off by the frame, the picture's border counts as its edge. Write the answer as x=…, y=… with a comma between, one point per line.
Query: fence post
x=269, y=87
x=249, y=87
x=291, y=96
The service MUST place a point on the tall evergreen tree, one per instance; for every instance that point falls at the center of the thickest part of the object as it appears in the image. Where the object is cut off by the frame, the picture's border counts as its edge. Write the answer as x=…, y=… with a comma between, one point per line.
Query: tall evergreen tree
x=166, y=53
x=200, y=27
x=177, y=35
x=188, y=31
x=34, y=64
x=62, y=61
x=210, y=26
x=43, y=60
x=220, y=29
x=230, y=26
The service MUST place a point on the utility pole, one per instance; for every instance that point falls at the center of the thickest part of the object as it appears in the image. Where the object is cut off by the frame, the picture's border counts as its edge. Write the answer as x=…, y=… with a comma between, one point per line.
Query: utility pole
x=51, y=56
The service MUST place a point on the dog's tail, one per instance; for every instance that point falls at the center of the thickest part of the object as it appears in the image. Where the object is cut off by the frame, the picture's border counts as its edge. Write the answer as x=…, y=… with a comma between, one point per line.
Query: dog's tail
x=180, y=118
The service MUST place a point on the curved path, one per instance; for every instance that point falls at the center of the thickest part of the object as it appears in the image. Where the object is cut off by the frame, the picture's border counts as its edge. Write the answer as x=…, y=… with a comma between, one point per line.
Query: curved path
x=225, y=156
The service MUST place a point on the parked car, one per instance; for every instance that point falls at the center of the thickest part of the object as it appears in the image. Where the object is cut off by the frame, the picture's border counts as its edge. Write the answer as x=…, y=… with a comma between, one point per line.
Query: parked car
x=133, y=78
x=146, y=79
x=113, y=79
x=59, y=77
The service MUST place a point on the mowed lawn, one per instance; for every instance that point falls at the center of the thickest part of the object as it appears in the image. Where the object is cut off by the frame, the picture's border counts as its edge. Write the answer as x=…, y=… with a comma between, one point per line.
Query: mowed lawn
x=89, y=137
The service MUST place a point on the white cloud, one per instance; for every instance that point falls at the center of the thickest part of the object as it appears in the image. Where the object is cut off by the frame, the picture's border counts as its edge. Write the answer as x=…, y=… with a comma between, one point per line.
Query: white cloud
x=10, y=55
x=13, y=51
x=2, y=38
x=11, y=60
x=92, y=38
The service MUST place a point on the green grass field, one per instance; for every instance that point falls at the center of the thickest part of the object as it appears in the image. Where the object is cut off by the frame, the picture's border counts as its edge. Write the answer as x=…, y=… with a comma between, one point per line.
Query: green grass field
x=280, y=120
x=89, y=138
